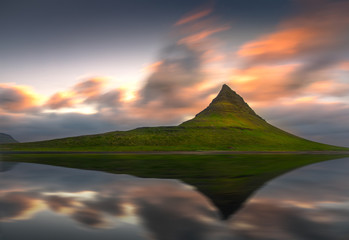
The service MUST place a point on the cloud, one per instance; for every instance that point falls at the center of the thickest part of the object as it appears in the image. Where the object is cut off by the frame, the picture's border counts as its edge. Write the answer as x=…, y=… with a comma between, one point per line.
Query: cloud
x=197, y=37
x=303, y=35
x=109, y=205
x=263, y=82
x=182, y=80
x=101, y=200
x=58, y=125
x=89, y=217
x=344, y=66
x=111, y=100
x=286, y=209
x=194, y=16
x=310, y=118
x=57, y=203
x=316, y=39
x=15, y=98
x=88, y=91
x=61, y=100
x=90, y=87
x=17, y=205
x=270, y=220
x=180, y=69
x=303, y=62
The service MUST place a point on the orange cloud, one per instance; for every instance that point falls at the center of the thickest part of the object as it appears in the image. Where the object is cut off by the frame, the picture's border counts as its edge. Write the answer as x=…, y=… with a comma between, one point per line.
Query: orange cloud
x=15, y=98
x=263, y=82
x=193, y=17
x=152, y=67
x=283, y=43
x=90, y=87
x=328, y=87
x=201, y=35
x=311, y=32
x=344, y=66
x=314, y=42
x=61, y=100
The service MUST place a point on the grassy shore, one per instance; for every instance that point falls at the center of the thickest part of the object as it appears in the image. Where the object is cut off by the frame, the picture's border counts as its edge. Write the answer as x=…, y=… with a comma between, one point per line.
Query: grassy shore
x=226, y=179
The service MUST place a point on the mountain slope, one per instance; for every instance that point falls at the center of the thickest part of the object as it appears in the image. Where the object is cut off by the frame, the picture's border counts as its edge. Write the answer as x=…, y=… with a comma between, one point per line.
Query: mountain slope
x=5, y=138
x=228, y=123
x=228, y=109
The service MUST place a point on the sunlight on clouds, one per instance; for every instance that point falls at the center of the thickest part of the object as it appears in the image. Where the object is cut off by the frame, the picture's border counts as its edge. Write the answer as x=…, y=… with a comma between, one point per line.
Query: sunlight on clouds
x=129, y=96
x=152, y=67
x=344, y=66
x=77, y=195
x=86, y=110
x=197, y=37
x=285, y=42
x=263, y=82
x=17, y=98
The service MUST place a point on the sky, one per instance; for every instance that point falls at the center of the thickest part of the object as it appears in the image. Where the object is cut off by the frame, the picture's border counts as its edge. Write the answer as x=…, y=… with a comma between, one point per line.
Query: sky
x=78, y=67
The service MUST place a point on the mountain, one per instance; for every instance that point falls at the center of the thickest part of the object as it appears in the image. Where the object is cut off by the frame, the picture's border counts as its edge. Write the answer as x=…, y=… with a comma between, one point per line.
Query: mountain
x=228, y=109
x=228, y=123
x=5, y=138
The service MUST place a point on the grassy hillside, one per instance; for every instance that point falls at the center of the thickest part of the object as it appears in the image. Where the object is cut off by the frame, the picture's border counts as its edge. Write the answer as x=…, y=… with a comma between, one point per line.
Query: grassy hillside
x=228, y=123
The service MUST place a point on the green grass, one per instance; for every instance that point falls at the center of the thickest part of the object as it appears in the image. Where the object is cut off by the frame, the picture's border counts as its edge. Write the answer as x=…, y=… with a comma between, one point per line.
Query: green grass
x=226, y=179
x=180, y=139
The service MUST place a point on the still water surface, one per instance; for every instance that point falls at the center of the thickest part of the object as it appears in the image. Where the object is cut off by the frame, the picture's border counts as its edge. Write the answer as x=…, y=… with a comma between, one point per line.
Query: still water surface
x=46, y=202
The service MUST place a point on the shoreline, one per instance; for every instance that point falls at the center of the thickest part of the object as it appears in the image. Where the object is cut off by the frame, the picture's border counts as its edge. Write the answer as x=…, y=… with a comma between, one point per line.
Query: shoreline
x=178, y=152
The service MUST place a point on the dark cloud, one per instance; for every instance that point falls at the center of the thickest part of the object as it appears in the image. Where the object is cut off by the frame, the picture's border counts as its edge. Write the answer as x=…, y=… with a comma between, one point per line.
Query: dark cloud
x=56, y=203
x=16, y=99
x=53, y=125
x=271, y=221
x=163, y=224
x=313, y=120
x=59, y=100
x=111, y=100
x=181, y=80
x=109, y=205
x=89, y=87
x=88, y=217
x=179, y=69
x=15, y=204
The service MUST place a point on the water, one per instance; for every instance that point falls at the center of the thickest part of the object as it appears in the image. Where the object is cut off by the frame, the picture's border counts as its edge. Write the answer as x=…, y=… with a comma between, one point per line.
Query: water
x=46, y=202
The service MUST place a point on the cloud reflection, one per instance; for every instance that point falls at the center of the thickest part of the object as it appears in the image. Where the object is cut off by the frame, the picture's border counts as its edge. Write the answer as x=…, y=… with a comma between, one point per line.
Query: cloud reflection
x=163, y=209
x=309, y=203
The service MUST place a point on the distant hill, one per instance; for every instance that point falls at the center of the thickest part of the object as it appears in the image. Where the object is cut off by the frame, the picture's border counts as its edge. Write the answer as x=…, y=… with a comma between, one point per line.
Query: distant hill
x=5, y=138
x=228, y=123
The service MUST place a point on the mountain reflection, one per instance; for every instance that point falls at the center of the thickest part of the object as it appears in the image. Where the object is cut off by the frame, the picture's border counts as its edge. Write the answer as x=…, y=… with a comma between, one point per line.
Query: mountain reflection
x=308, y=203
x=160, y=209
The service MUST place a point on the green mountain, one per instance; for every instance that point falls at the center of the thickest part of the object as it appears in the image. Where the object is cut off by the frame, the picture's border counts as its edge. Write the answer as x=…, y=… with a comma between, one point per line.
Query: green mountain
x=5, y=138
x=228, y=123
x=228, y=109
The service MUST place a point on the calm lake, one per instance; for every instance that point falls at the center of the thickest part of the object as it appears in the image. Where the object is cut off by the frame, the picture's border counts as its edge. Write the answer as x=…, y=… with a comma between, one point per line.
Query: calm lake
x=44, y=202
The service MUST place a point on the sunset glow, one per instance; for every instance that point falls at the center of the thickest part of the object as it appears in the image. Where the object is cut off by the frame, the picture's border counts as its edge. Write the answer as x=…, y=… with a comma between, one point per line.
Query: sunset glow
x=163, y=64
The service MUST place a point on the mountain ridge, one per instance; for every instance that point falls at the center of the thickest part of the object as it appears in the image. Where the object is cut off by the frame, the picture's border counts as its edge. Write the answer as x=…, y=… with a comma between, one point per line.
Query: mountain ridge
x=6, y=138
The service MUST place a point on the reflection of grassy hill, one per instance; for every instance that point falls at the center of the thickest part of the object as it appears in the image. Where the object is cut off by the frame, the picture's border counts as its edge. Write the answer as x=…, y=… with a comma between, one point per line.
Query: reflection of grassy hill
x=225, y=179
x=228, y=123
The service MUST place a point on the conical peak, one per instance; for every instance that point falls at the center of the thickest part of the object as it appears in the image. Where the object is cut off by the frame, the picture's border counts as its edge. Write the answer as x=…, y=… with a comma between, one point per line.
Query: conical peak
x=227, y=109
x=227, y=94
